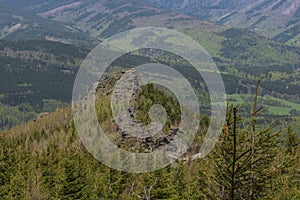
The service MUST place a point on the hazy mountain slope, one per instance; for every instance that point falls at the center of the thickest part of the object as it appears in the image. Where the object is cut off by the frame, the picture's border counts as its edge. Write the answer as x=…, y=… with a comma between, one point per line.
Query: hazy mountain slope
x=274, y=18
x=32, y=71
x=17, y=24
x=36, y=76
x=102, y=18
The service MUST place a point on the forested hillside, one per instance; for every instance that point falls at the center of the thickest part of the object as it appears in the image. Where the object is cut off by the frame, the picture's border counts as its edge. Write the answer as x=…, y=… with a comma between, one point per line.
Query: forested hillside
x=46, y=160
x=36, y=76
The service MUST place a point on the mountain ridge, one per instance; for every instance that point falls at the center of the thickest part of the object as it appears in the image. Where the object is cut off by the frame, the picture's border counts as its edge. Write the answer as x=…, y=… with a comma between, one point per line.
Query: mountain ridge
x=277, y=19
x=102, y=18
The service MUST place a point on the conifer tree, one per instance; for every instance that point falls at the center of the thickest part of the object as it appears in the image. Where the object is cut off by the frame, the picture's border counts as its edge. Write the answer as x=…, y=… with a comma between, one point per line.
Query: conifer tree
x=74, y=184
x=244, y=157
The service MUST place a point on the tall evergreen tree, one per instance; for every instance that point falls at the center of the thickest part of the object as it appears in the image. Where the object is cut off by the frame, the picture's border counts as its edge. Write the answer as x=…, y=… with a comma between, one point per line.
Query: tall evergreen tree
x=243, y=158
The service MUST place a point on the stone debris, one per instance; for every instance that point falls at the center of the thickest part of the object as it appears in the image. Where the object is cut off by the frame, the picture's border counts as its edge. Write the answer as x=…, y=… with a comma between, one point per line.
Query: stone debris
x=132, y=129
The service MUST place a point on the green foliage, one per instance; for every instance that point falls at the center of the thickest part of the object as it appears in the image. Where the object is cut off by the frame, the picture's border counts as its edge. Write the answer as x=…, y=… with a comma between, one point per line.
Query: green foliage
x=149, y=96
x=74, y=183
x=11, y=116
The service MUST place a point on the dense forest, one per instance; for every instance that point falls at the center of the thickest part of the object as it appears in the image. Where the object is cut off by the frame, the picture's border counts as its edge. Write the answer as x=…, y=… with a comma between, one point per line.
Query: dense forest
x=45, y=159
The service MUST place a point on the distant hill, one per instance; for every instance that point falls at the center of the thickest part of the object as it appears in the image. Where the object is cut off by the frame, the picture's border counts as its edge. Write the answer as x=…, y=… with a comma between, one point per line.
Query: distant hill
x=35, y=70
x=278, y=19
x=36, y=76
x=103, y=18
x=17, y=24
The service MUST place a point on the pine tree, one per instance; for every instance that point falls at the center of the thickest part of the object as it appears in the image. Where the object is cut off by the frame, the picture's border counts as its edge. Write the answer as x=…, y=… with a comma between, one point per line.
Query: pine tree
x=74, y=184
x=244, y=157
x=6, y=163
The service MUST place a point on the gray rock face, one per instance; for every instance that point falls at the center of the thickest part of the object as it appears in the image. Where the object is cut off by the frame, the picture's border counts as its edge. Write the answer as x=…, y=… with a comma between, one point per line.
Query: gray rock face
x=150, y=137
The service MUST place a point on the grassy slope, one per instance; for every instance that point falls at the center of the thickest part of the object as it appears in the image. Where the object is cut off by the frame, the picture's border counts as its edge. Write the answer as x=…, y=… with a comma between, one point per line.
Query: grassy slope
x=283, y=108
